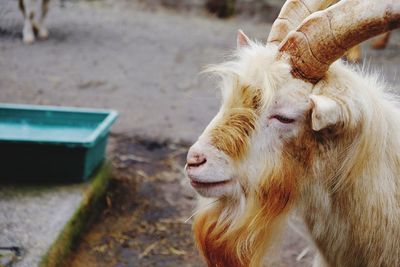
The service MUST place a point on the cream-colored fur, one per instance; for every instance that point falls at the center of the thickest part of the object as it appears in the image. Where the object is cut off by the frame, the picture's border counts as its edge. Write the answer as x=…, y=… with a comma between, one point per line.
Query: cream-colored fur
x=337, y=163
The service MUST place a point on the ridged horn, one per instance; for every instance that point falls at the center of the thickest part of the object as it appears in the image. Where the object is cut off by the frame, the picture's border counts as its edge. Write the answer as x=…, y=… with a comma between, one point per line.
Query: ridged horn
x=324, y=36
x=292, y=14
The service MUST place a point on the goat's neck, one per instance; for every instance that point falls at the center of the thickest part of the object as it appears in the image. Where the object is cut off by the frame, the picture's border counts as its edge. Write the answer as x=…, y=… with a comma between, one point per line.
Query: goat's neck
x=363, y=212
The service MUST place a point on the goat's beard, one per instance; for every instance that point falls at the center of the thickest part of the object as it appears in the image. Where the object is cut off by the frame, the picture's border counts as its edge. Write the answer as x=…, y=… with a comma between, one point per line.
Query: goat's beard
x=238, y=233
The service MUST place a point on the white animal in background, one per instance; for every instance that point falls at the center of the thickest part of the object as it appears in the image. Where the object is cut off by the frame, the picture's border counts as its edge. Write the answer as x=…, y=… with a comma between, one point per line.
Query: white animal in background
x=299, y=130
x=34, y=12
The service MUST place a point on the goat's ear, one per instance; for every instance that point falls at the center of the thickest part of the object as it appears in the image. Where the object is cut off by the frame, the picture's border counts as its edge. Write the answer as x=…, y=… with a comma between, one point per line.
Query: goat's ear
x=242, y=39
x=325, y=112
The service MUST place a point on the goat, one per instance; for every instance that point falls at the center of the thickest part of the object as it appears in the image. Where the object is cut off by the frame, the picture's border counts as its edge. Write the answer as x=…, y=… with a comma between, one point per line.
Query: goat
x=300, y=131
x=382, y=41
x=34, y=13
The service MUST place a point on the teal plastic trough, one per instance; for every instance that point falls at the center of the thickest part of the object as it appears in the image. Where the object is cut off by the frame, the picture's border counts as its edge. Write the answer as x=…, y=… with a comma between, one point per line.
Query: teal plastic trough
x=52, y=144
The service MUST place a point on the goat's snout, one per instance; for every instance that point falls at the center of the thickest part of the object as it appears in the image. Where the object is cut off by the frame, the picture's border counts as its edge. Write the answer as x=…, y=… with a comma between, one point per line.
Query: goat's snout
x=195, y=159
x=208, y=171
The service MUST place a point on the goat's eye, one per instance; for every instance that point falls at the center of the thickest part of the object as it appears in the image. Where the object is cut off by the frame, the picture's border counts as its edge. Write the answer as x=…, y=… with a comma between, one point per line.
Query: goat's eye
x=282, y=119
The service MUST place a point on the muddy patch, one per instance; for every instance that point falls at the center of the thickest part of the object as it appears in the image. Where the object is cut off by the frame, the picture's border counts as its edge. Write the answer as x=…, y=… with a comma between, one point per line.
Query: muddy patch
x=144, y=223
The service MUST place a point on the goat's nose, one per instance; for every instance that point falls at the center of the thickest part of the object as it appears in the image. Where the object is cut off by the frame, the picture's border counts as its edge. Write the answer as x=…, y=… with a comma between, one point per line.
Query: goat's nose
x=195, y=159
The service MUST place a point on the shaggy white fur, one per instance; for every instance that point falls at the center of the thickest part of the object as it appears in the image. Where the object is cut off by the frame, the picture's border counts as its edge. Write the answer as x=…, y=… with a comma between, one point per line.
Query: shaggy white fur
x=330, y=150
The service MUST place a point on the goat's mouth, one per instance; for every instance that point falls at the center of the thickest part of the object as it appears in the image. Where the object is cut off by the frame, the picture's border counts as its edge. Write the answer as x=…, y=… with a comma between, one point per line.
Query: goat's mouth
x=201, y=184
x=207, y=188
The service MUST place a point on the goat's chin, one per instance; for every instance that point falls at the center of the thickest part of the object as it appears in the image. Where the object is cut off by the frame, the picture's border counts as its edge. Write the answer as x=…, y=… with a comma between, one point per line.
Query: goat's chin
x=215, y=189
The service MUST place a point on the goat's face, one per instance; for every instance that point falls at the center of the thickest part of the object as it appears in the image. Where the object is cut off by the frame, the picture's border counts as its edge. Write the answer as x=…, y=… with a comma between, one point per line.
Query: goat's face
x=262, y=125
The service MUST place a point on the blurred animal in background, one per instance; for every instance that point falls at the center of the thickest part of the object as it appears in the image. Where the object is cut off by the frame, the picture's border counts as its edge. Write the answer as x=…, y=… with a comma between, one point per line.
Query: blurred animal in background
x=298, y=131
x=382, y=41
x=34, y=12
x=354, y=54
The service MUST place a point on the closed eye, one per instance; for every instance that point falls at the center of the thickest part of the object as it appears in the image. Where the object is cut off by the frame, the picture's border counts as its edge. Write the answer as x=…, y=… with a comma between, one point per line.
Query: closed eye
x=283, y=119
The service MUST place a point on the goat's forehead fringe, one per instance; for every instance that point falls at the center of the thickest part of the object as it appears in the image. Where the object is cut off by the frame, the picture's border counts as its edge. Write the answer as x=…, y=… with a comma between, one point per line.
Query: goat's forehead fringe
x=249, y=83
x=255, y=66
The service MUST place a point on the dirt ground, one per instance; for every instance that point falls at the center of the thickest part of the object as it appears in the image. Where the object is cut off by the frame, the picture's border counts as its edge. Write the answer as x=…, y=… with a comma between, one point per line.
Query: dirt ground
x=144, y=222
x=144, y=62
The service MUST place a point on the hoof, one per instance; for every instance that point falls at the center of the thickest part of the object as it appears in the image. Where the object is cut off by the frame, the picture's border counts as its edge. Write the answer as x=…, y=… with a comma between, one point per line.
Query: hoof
x=28, y=39
x=28, y=35
x=380, y=44
x=43, y=33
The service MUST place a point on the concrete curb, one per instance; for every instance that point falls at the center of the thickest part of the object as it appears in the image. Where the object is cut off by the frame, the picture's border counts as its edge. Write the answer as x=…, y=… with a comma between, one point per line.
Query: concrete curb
x=87, y=210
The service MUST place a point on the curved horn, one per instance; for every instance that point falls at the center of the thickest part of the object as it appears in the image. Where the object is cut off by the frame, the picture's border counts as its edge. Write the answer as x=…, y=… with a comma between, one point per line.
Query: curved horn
x=325, y=36
x=292, y=14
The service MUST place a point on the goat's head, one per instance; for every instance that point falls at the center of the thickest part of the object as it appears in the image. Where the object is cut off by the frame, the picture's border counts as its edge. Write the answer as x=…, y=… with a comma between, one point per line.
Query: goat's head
x=282, y=104
x=263, y=109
